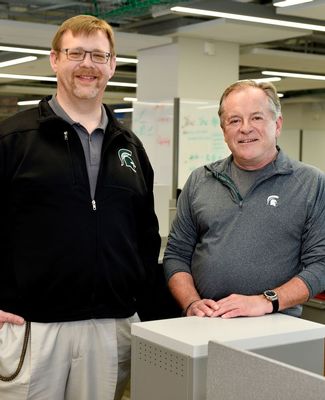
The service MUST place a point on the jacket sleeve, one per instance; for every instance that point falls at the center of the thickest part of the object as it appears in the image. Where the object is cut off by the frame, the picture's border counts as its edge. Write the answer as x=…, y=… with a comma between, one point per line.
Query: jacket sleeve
x=8, y=289
x=183, y=235
x=154, y=301
x=313, y=242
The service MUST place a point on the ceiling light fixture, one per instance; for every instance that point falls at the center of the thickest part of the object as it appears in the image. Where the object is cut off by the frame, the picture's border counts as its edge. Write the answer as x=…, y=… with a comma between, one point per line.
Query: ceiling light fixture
x=287, y=3
x=294, y=75
x=248, y=18
x=27, y=102
x=130, y=99
x=127, y=60
x=17, y=61
x=123, y=110
x=122, y=84
x=28, y=77
x=24, y=50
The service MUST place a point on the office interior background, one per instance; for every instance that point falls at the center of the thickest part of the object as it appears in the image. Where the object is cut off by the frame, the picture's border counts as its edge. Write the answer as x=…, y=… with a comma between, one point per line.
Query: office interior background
x=267, y=39
x=186, y=50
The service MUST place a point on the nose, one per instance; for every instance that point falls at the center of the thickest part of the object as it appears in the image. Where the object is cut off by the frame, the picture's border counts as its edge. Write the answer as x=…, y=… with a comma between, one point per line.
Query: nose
x=87, y=60
x=246, y=126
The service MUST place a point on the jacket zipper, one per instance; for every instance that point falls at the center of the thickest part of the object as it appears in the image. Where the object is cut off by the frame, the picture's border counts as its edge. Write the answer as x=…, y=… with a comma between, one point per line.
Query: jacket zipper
x=229, y=183
x=66, y=138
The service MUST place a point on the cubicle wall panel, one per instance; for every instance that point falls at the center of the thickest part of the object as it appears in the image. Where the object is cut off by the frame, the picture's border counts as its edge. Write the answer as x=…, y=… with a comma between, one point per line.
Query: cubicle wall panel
x=307, y=355
x=241, y=375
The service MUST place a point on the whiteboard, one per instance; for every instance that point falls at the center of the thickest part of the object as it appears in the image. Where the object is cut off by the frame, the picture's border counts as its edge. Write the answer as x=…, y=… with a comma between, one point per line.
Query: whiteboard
x=152, y=122
x=200, y=137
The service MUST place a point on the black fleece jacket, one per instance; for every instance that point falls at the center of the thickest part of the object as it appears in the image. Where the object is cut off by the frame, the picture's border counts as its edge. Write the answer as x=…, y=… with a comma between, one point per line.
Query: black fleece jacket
x=63, y=255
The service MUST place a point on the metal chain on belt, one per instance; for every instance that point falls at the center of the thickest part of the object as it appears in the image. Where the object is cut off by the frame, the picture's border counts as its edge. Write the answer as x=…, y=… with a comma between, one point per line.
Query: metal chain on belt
x=22, y=356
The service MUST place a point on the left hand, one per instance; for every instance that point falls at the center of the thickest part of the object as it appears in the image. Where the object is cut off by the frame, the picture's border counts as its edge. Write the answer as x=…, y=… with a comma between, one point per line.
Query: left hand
x=237, y=305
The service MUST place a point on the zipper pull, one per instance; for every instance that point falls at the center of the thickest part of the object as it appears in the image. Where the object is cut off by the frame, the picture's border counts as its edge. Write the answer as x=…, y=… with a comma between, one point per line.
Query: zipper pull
x=65, y=135
x=93, y=203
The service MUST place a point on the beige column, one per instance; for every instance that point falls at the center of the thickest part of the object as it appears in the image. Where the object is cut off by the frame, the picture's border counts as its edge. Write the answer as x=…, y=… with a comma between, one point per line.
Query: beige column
x=189, y=68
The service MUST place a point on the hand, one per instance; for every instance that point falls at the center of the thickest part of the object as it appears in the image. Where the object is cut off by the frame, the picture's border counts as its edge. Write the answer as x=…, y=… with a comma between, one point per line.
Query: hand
x=11, y=318
x=237, y=305
x=202, y=308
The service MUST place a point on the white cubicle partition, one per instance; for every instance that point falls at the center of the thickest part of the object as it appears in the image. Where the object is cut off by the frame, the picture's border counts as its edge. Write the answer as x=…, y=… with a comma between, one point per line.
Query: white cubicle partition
x=169, y=357
x=243, y=375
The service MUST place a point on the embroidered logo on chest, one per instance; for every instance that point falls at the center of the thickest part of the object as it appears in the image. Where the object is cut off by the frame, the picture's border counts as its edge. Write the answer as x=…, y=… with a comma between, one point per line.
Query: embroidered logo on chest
x=125, y=157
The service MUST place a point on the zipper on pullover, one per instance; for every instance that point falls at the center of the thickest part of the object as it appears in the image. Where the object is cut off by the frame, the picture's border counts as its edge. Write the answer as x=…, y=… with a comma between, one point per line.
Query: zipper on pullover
x=93, y=204
x=229, y=183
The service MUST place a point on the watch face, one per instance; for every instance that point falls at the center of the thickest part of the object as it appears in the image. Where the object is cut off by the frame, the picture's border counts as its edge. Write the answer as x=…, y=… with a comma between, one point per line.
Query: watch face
x=271, y=294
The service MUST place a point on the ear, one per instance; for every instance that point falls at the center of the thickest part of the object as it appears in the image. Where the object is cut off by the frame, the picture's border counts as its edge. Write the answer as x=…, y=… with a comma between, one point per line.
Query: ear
x=53, y=60
x=278, y=124
x=112, y=67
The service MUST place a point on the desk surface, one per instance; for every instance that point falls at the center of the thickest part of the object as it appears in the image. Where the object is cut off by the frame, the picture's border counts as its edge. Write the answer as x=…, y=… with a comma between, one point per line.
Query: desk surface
x=190, y=335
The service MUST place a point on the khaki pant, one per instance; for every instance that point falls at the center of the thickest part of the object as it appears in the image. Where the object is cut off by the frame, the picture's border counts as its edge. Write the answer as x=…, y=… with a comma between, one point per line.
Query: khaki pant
x=82, y=360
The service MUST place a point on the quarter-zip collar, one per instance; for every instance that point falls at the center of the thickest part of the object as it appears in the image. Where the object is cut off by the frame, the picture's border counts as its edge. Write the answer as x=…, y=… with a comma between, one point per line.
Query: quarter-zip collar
x=280, y=166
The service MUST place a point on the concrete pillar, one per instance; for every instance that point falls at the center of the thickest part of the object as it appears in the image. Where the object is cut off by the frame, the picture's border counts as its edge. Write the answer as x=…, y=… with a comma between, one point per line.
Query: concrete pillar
x=189, y=68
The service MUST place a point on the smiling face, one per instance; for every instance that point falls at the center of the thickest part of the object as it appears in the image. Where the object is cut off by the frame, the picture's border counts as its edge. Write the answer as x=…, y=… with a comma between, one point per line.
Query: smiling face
x=82, y=80
x=250, y=127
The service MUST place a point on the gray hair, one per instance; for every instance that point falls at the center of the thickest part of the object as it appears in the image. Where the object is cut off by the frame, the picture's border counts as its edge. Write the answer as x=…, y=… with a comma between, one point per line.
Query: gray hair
x=267, y=87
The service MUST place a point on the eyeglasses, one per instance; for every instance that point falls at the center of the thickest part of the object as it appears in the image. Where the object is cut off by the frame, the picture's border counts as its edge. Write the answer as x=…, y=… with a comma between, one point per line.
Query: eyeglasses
x=98, y=57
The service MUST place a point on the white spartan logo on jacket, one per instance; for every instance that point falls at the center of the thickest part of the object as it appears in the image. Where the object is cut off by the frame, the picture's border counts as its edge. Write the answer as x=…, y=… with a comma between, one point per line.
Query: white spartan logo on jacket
x=125, y=157
x=272, y=200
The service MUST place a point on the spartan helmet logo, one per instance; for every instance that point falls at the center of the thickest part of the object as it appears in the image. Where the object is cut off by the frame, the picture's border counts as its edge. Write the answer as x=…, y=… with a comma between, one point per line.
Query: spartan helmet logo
x=126, y=159
x=272, y=200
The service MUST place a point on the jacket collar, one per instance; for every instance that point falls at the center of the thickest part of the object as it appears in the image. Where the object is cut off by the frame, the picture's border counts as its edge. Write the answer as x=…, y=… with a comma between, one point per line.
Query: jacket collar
x=281, y=165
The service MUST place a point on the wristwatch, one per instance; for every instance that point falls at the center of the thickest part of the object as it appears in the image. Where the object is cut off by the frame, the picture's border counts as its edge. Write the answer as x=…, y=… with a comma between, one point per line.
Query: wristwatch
x=272, y=296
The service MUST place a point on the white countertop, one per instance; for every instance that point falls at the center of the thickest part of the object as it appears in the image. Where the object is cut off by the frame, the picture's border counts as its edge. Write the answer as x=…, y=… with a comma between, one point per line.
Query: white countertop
x=190, y=335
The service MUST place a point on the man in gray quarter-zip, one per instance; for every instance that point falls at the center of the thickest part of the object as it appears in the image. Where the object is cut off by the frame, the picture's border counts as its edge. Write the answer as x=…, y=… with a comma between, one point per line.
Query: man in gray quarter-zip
x=79, y=239
x=249, y=234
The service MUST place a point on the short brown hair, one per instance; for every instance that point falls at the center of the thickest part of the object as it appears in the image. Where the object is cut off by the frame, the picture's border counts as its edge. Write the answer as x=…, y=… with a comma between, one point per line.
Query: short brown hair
x=84, y=24
x=267, y=87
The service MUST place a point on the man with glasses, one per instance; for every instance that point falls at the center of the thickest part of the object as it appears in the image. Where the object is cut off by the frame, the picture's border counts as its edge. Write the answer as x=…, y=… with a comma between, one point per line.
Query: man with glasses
x=79, y=236
x=249, y=235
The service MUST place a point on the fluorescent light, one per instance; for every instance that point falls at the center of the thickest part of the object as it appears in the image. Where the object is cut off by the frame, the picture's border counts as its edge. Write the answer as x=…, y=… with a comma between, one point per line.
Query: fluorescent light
x=24, y=50
x=47, y=52
x=123, y=110
x=268, y=21
x=28, y=77
x=53, y=79
x=130, y=99
x=287, y=3
x=17, y=61
x=28, y=102
x=280, y=94
x=127, y=60
x=295, y=75
x=122, y=84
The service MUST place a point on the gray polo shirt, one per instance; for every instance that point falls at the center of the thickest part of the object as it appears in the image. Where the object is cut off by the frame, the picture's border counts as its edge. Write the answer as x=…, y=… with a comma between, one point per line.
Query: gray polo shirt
x=91, y=142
